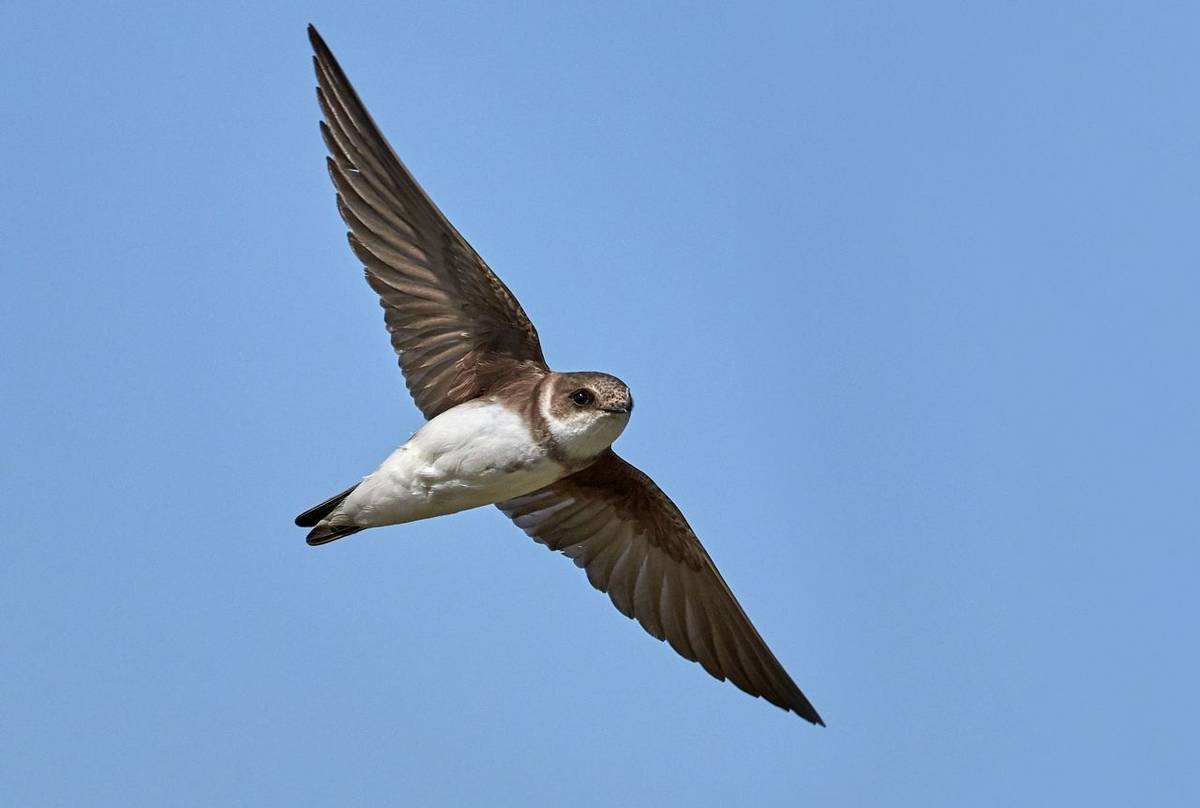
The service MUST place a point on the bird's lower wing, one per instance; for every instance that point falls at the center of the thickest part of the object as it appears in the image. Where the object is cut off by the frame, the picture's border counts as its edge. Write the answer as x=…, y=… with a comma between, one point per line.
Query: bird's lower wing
x=634, y=544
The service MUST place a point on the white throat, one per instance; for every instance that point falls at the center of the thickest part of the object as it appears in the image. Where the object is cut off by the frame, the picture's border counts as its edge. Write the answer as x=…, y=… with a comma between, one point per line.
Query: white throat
x=580, y=434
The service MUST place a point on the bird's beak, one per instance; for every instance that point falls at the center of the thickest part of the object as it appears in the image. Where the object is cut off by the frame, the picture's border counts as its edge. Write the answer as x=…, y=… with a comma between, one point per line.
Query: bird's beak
x=624, y=409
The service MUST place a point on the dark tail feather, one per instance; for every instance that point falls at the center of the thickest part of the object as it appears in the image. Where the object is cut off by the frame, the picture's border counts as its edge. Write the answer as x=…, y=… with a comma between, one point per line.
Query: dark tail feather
x=327, y=533
x=318, y=512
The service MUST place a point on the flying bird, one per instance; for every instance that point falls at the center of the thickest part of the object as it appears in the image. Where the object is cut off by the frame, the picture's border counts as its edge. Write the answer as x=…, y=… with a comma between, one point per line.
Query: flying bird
x=503, y=428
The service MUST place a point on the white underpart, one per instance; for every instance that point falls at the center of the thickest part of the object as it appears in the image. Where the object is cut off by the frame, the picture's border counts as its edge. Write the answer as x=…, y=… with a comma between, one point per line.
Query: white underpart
x=474, y=454
x=582, y=433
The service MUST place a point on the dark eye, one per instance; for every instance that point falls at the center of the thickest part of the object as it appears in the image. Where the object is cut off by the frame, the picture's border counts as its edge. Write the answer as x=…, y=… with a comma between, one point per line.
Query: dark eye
x=582, y=397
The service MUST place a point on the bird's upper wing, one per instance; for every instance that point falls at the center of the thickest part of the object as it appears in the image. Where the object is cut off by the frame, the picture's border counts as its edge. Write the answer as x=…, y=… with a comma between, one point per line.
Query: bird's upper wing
x=455, y=326
x=635, y=544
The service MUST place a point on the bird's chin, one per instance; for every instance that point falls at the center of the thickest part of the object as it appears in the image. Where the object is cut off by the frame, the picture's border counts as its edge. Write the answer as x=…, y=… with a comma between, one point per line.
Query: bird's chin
x=587, y=433
x=614, y=424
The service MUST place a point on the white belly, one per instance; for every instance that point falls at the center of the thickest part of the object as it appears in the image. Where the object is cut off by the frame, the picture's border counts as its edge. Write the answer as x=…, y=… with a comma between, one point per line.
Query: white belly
x=474, y=454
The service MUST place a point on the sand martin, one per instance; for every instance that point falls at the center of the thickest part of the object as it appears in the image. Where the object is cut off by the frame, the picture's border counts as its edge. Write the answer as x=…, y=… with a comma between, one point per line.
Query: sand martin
x=504, y=429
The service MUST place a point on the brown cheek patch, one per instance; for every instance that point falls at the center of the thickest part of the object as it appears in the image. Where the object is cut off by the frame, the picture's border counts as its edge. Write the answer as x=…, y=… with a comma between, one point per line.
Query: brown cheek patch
x=560, y=405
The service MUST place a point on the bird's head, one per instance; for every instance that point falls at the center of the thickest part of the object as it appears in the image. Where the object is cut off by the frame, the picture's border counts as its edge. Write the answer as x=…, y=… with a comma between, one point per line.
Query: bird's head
x=585, y=411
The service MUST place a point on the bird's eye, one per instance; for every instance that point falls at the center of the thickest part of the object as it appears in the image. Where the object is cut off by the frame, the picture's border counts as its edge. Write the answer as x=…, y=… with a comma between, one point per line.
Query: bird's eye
x=582, y=397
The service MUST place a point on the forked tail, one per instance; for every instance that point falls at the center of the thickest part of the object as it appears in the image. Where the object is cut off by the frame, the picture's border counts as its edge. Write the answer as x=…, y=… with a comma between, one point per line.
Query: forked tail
x=323, y=534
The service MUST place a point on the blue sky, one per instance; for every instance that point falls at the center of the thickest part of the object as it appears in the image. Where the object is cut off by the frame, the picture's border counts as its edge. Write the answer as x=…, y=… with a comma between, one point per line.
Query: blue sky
x=907, y=295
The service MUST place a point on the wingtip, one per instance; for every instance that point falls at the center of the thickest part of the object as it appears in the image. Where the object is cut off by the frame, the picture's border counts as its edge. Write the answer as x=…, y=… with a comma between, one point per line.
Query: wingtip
x=315, y=39
x=809, y=714
x=803, y=708
x=799, y=705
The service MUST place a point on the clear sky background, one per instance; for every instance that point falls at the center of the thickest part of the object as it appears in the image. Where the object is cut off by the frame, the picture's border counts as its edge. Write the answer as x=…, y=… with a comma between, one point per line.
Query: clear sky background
x=908, y=295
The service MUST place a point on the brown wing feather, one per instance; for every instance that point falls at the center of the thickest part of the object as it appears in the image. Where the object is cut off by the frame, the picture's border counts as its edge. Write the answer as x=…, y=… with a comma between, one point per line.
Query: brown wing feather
x=634, y=544
x=455, y=326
